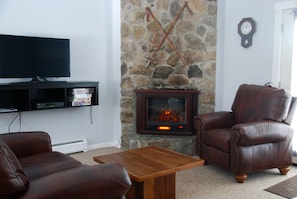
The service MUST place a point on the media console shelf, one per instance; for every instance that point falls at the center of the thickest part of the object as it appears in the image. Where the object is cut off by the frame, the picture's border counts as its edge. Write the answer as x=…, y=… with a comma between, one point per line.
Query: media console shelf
x=38, y=96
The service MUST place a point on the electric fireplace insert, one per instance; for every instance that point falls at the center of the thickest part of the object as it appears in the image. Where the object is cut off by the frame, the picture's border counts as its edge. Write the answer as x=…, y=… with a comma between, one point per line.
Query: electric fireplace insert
x=167, y=112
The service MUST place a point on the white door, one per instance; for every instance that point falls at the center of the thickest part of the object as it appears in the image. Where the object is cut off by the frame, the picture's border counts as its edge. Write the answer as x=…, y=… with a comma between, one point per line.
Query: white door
x=294, y=79
x=285, y=53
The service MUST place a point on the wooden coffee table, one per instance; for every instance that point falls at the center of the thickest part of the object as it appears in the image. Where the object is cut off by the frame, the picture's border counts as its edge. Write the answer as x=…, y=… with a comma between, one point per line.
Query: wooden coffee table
x=152, y=170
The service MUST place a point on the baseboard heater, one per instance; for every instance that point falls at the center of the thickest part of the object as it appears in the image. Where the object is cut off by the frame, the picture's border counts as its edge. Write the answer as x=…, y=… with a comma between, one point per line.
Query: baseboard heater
x=72, y=146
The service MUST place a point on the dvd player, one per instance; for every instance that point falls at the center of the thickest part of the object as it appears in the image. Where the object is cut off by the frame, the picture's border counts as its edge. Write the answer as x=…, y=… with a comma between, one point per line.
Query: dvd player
x=47, y=105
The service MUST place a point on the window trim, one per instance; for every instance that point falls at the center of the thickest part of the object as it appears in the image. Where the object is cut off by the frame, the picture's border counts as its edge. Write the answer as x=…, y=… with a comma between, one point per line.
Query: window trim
x=280, y=75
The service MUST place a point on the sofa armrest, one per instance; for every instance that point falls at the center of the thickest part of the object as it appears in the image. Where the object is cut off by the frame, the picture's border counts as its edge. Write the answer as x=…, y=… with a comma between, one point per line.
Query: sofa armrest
x=260, y=132
x=27, y=143
x=99, y=181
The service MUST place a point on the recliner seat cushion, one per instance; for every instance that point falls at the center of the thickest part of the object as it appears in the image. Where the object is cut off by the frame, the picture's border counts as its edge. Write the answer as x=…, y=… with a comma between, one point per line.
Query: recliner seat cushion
x=218, y=138
x=12, y=177
x=43, y=164
x=254, y=103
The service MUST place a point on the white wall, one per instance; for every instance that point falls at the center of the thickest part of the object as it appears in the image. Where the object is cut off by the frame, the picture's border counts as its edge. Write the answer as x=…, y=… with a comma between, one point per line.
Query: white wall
x=237, y=65
x=116, y=36
x=89, y=25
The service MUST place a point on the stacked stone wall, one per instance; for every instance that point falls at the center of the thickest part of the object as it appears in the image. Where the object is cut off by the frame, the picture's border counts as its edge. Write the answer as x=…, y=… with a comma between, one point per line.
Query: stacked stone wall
x=186, y=59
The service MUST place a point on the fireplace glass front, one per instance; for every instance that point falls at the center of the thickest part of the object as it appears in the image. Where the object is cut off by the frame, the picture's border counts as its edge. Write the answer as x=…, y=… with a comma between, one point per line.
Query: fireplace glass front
x=167, y=112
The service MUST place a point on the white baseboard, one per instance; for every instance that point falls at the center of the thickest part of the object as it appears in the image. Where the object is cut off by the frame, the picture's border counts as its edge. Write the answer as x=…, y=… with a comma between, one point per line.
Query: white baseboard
x=82, y=146
x=104, y=145
x=74, y=146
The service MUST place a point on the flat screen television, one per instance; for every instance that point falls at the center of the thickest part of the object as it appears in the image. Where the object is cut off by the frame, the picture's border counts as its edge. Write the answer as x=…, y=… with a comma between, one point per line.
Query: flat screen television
x=34, y=57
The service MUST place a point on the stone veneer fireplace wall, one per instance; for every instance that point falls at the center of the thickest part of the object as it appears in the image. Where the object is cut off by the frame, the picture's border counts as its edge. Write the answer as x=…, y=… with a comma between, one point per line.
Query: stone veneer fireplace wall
x=186, y=59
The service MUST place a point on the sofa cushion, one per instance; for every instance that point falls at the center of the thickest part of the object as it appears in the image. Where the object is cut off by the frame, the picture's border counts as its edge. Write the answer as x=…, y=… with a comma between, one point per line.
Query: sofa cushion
x=12, y=178
x=43, y=164
x=254, y=103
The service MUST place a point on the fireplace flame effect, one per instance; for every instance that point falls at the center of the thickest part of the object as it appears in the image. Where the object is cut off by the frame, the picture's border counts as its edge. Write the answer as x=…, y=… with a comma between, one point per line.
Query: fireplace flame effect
x=168, y=115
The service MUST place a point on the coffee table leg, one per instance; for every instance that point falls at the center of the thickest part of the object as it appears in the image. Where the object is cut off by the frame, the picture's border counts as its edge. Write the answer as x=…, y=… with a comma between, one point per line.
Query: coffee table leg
x=165, y=187
x=155, y=188
x=149, y=189
x=135, y=191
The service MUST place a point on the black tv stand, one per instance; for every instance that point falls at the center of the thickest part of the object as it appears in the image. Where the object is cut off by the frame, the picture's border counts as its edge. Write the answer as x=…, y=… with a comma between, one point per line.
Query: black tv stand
x=38, y=80
x=50, y=82
x=27, y=96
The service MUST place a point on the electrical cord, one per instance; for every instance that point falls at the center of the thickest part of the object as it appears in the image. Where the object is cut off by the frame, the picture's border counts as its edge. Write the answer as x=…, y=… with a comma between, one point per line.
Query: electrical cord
x=14, y=119
x=91, y=114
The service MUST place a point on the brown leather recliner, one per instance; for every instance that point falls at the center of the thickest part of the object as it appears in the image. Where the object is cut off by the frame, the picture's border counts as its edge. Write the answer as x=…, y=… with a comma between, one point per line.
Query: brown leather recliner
x=29, y=169
x=255, y=135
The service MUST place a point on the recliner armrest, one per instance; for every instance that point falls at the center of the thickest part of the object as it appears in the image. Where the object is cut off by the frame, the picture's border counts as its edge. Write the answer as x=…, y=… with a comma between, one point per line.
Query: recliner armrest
x=99, y=181
x=27, y=143
x=214, y=120
x=260, y=132
x=207, y=121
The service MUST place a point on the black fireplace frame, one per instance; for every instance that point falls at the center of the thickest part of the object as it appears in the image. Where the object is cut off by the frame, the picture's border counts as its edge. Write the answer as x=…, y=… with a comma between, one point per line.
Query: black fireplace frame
x=191, y=103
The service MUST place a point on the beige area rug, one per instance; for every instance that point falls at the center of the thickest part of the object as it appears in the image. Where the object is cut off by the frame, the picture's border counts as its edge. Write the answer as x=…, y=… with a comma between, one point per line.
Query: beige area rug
x=211, y=182
x=286, y=188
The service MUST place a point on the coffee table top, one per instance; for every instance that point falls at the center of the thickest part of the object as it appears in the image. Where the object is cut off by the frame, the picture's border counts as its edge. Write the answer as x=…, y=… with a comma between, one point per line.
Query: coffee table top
x=150, y=162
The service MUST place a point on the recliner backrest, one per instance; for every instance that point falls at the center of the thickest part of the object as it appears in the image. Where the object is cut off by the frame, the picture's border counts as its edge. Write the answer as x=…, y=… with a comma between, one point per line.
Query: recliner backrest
x=254, y=103
x=291, y=113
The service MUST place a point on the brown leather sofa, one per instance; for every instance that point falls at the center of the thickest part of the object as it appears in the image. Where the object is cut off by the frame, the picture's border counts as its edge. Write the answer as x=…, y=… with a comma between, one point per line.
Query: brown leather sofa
x=255, y=135
x=29, y=169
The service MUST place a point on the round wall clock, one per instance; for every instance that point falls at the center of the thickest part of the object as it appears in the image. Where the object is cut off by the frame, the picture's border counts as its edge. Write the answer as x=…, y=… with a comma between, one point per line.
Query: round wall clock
x=246, y=29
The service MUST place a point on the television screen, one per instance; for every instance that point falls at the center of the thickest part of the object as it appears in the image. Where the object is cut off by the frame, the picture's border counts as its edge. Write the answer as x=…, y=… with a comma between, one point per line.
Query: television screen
x=34, y=57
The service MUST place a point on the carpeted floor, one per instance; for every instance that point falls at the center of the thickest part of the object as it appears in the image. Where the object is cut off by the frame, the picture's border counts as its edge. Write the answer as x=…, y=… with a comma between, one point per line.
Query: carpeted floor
x=211, y=182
